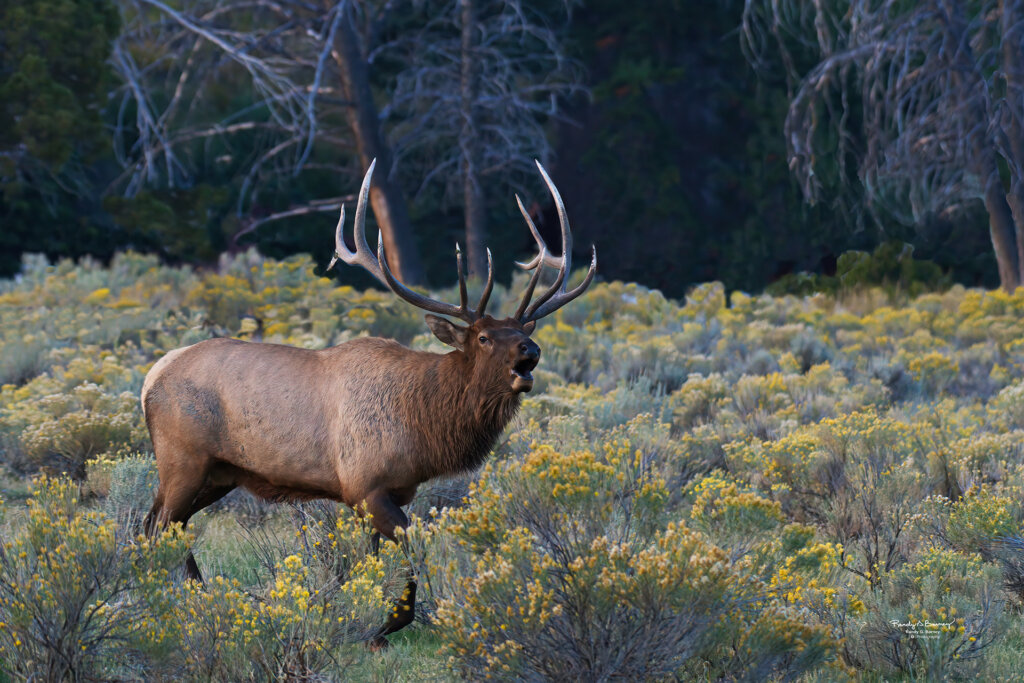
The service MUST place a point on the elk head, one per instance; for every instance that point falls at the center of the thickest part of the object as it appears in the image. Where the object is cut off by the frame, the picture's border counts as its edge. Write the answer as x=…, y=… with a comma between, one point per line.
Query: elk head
x=500, y=352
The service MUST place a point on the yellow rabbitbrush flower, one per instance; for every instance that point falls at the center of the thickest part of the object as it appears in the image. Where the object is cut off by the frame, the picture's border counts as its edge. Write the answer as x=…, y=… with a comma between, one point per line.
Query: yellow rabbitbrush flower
x=727, y=507
x=981, y=519
x=934, y=370
x=97, y=296
x=291, y=630
x=823, y=419
x=550, y=556
x=226, y=298
x=784, y=464
x=76, y=589
x=949, y=568
x=522, y=607
x=568, y=478
x=806, y=578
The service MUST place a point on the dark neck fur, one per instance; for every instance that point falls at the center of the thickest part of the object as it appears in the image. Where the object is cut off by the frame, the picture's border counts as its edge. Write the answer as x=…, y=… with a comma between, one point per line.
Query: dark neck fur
x=461, y=415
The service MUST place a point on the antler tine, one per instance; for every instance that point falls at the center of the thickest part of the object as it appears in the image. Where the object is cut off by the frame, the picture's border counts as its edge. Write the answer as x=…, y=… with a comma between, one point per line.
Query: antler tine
x=563, y=297
x=418, y=300
x=565, y=262
x=363, y=255
x=533, y=284
x=559, y=283
x=378, y=267
x=339, y=240
x=547, y=259
x=480, y=307
x=542, y=258
x=463, y=295
x=563, y=221
x=556, y=296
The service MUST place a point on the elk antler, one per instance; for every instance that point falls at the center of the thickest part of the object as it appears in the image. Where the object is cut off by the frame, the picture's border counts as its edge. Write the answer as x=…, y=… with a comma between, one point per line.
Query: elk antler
x=362, y=256
x=378, y=267
x=556, y=296
x=462, y=311
x=551, y=300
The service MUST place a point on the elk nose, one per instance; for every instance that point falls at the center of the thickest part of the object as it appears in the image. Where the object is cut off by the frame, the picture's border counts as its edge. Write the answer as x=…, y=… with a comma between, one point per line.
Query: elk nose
x=529, y=350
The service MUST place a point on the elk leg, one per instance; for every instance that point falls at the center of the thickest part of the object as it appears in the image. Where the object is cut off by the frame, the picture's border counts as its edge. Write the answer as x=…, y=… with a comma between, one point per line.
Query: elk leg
x=149, y=525
x=178, y=504
x=402, y=614
x=206, y=497
x=386, y=517
x=174, y=504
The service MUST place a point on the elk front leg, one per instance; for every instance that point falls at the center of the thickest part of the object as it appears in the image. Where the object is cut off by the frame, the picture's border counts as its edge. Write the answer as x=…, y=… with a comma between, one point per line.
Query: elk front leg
x=386, y=517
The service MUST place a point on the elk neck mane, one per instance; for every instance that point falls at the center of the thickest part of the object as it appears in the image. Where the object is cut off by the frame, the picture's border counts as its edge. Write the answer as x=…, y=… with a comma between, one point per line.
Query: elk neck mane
x=459, y=414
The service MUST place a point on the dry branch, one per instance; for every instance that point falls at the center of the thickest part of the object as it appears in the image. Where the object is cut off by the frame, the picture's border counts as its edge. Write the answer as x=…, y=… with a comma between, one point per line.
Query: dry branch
x=935, y=91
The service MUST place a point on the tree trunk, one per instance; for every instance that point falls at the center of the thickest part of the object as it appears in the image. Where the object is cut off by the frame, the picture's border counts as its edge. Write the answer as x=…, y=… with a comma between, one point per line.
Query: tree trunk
x=1002, y=231
x=385, y=196
x=1015, y=200
x=1013, y=73
x=473, y=199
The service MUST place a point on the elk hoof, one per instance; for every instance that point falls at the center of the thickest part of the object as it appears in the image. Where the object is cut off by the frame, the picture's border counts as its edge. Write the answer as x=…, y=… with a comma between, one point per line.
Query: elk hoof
x=403, y=612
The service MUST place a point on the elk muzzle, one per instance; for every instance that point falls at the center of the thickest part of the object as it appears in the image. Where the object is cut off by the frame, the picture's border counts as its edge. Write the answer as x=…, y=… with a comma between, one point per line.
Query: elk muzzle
x=526, y=361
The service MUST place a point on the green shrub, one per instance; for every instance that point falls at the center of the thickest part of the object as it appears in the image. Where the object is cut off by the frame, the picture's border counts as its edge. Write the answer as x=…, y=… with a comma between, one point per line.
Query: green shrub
x=891, y=266
x=933, y=618
x=573, y=575
x=850, y=460
x=70, y=429
x=1007, y=408
x=979, y=521
x=76, y=590
x=295, y=630
x=730, y=511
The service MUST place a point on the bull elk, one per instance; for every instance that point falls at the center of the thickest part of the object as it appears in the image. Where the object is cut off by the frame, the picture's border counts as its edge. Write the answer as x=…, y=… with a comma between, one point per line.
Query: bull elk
x=365, y=422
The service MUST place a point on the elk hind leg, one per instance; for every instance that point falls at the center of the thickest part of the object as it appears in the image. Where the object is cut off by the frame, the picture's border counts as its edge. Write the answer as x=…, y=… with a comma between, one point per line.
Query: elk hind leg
x=177, y=501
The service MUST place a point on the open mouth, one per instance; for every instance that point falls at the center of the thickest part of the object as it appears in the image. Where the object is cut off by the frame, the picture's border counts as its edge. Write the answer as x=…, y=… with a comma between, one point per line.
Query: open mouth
x=522, y=380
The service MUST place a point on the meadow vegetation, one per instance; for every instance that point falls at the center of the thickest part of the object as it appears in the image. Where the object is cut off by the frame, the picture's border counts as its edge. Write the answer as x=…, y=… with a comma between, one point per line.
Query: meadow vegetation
x=824, y=487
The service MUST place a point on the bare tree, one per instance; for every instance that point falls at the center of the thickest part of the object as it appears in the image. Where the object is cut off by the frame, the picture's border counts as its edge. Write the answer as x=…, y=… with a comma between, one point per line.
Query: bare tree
x=258, y=81
x=350, y=55
x=480, y=79
x=924, y=98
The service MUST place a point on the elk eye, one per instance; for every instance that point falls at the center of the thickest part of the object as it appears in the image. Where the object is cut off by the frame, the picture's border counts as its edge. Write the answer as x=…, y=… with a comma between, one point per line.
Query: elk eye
x=484, y=340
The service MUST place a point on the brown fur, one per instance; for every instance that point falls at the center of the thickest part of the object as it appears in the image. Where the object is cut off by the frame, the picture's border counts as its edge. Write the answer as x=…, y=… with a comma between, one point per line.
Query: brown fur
x=366, y=421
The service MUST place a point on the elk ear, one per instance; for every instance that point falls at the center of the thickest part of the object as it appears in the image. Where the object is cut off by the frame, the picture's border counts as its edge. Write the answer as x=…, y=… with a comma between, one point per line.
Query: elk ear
x=528, y=327
x=448, y=332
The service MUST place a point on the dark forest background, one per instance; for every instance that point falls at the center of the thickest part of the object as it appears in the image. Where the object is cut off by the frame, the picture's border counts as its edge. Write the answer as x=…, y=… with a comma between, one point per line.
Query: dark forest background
x=670, y=156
